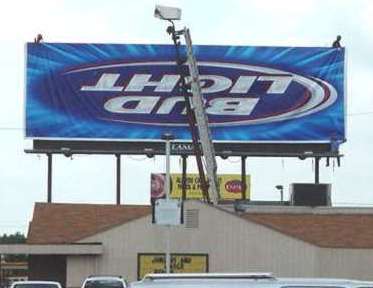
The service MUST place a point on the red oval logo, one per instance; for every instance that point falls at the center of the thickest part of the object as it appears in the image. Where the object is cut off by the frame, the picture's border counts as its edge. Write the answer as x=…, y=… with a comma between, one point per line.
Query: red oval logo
x=233, y=186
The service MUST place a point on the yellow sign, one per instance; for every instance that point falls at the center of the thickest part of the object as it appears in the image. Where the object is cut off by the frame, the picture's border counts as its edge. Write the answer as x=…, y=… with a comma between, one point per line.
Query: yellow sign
x=189, y=263
x=229, y=184
x=151, y=263
x=180, y=263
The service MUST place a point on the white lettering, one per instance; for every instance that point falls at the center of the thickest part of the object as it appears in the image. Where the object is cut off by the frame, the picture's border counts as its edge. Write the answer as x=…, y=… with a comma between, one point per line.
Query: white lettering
x=232, y=106
x=169, y=104
x=279, y=83
x=105, y=83
x=220, y=83
x=182, y=147
x=243, y=84
x=140, y=81
x=143, y=104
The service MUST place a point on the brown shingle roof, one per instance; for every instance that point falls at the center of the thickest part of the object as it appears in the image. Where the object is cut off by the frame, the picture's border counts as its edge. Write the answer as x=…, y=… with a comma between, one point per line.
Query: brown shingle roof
x=323, y=230
x=68, y=223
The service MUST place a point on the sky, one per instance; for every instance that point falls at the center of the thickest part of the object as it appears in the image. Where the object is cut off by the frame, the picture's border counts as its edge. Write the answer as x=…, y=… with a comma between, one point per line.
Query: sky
x=91, y=179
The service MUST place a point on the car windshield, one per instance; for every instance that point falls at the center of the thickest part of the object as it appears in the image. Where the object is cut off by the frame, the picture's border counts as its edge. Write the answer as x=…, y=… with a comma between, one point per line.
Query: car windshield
x=103, y=284
x=35, y=285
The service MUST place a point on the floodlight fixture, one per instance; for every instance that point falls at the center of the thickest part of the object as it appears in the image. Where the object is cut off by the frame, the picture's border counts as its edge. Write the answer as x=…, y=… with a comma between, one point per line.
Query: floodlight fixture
x=149, y=152
x=66, y=151
x=168, y=137
x=225, y=154
x=281, y=189
x=167, y=13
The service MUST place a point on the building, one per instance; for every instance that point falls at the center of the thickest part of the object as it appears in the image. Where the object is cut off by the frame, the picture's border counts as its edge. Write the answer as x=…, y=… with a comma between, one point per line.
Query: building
x=68, y=242
x=12, y=271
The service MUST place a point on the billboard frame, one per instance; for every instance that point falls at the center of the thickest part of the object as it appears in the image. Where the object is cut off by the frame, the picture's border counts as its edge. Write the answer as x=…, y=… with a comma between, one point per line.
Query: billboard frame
x=223, y=149
x=317, y=151
x=299, y=149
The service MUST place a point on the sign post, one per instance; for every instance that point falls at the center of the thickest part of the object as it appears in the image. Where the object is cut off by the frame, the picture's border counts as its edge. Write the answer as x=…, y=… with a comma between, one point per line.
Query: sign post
x=168, y=137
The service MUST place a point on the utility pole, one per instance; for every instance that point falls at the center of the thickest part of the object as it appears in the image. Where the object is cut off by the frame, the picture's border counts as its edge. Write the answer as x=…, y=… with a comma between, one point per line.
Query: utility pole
x=168, y=138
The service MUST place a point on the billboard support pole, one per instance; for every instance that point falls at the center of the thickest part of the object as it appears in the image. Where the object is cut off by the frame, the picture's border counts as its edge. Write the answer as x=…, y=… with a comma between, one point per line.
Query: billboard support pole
x=49, y=198
x=184, y=177
x=118, y=166
x=243, y=177
x=183, y=185
x=168, y=138
x=317, y=170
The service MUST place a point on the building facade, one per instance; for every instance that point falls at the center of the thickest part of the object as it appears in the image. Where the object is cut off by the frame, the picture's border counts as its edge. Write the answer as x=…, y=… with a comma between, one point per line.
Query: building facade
x=121, y=240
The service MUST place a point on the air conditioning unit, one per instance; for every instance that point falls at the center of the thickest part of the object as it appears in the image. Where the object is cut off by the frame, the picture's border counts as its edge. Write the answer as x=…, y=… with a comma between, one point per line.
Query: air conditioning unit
x=310, y=194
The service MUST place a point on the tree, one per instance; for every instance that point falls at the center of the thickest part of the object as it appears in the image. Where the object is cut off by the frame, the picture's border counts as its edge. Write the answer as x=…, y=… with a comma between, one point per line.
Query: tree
x=16, y=238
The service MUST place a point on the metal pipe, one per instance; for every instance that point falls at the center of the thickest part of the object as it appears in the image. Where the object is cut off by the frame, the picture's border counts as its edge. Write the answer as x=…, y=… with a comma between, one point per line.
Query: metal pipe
x=184, y=178
x=168, y=153
x=243, y=177
x=317, y=170
x=168, y=137
x=118, y=178
x=49, y=197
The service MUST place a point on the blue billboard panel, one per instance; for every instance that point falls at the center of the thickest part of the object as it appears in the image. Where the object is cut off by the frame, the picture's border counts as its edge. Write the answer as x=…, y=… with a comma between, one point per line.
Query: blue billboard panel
x=131, y=92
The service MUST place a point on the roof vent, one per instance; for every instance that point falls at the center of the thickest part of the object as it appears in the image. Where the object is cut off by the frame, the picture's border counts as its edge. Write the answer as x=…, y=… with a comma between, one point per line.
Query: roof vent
x=191, y=219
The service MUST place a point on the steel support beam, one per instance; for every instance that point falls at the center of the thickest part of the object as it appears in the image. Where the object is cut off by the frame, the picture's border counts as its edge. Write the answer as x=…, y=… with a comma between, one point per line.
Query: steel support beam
x=184, y=178
x=49, y=189
x=243, y=177
x=317, y=170
x=118, y=166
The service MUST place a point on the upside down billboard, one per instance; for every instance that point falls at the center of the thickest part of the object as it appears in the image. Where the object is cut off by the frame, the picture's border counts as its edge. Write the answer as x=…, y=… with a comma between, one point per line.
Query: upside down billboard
x=131, y=92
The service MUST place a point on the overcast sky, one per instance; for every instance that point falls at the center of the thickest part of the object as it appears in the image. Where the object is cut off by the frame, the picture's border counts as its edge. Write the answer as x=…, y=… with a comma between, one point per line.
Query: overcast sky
x=91, y=179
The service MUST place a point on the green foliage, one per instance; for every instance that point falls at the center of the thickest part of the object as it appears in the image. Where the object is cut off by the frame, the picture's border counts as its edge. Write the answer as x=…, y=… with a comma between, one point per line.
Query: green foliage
x=16, y=238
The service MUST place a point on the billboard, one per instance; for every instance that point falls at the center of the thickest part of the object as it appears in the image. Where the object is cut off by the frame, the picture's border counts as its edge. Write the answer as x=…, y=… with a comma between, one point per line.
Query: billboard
x=130, y=93
x=180, y=263
x=229, y=186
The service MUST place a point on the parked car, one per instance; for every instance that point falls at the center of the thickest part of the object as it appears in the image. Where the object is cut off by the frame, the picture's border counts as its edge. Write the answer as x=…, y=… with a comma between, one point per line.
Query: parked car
x=35, y=284
x=104, y=282
x=242, y=280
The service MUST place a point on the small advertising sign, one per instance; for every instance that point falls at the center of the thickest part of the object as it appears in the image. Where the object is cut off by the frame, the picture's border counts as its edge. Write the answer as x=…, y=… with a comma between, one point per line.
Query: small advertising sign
x=180, y=263
x=230, y=186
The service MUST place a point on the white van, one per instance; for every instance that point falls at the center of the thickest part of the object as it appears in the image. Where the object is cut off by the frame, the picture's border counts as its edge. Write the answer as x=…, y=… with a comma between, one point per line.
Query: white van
x=36, y=284
x=242, y=280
